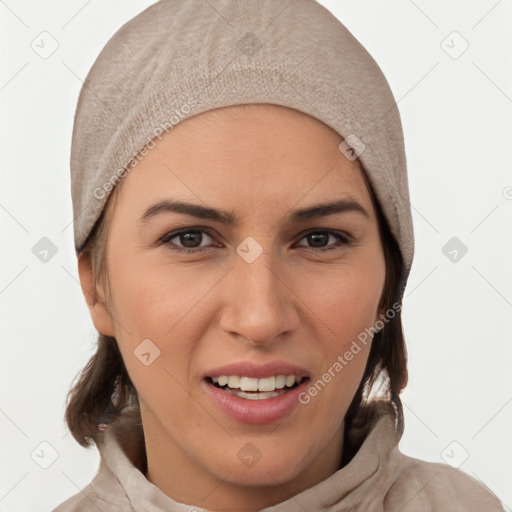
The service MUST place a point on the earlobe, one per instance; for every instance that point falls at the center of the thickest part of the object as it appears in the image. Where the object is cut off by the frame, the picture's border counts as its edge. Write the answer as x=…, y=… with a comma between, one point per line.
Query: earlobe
x=94, y=297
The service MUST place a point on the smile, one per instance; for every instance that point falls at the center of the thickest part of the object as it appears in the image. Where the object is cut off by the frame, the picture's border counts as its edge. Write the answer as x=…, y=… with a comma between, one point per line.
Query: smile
x=250, y=388
x=256, y=394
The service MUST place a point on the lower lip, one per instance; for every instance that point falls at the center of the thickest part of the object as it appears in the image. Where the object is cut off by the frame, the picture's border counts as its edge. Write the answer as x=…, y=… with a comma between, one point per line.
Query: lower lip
x=256, y=412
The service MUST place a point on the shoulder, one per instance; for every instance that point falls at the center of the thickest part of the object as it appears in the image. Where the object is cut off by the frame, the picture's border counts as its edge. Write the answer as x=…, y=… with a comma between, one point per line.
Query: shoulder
x=430, y=486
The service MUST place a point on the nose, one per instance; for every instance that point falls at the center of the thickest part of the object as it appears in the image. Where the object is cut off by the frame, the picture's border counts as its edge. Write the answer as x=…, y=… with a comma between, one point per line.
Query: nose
x=259, y=303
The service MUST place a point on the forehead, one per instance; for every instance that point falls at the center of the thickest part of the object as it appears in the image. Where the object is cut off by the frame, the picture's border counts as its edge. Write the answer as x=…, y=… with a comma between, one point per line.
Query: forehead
x=255, y=155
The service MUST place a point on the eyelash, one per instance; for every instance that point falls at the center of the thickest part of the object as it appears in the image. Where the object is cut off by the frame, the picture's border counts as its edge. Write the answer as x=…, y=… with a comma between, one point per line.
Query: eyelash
x=166, y=239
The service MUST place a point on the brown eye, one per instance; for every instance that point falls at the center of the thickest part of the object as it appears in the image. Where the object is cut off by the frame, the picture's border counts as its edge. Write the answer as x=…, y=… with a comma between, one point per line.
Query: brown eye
x=190, y=240
x=319, y=239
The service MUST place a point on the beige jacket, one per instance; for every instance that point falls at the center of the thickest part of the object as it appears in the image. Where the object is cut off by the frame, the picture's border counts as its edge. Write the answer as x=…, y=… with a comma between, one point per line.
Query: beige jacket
x=378, y=477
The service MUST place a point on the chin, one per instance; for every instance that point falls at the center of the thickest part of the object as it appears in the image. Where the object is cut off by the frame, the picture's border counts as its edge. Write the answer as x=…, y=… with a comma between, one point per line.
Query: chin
x=251, y=468
x=264, y=475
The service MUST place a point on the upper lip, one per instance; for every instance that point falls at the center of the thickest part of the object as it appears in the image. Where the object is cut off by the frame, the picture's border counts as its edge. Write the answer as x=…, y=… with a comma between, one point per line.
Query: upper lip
x=259, y=371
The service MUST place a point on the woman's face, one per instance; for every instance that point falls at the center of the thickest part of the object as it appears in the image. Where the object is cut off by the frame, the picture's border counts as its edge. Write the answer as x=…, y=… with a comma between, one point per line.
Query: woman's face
x=254, y=298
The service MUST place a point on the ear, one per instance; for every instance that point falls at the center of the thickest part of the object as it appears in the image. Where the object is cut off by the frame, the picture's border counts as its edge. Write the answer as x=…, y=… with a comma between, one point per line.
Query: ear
x=94, y=297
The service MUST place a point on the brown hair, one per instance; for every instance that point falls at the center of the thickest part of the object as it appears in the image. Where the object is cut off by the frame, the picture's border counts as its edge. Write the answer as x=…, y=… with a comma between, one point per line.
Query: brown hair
x=104, y=391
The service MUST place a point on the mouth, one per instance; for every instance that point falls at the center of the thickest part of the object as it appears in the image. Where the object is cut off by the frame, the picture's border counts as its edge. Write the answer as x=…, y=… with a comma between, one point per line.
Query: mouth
x=256, y=394
x=252, y=388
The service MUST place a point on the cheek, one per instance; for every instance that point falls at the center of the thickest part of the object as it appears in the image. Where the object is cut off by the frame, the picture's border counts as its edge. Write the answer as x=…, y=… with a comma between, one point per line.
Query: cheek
x=346, y=301
x=158, y=342
x=345, y=309
x=155, y=300
x=159, y=310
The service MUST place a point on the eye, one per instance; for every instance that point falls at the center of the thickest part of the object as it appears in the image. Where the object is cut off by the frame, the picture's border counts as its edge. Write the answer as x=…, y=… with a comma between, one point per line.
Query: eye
x=321, y=237
x=188, y=237
x=190, y=240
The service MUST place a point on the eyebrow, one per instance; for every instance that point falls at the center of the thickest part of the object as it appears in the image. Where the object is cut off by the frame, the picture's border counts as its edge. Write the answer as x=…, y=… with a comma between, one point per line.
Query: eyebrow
x=225, y=217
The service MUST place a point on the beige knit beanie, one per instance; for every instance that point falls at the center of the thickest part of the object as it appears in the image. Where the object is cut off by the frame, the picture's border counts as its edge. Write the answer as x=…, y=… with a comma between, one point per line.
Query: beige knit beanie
x=179, y=58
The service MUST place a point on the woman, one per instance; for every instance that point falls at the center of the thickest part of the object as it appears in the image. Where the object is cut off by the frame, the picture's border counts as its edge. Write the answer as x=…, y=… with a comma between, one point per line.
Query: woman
x=244, y=237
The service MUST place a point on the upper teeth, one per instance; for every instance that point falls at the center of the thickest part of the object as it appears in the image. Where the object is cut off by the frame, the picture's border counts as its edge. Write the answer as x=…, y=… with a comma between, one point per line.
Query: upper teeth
x=252, y=384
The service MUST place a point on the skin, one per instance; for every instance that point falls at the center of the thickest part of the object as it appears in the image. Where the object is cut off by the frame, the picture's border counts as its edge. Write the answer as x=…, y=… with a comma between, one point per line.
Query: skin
x=209, y=309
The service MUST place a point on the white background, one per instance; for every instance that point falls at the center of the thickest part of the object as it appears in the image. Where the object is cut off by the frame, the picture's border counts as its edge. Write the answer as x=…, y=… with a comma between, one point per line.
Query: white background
x=457, y=118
